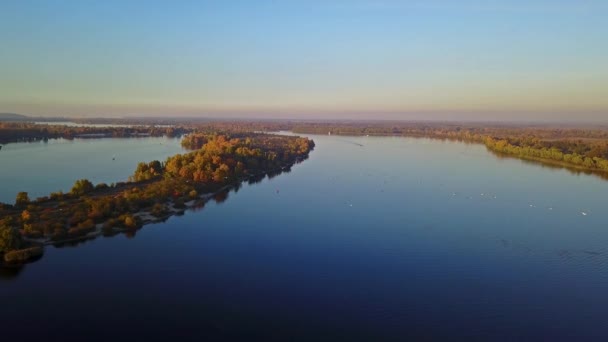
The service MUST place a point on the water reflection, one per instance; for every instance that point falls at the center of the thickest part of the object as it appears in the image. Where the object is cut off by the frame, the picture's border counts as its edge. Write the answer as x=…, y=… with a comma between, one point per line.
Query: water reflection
x=218, y=197
x=73, y=243
x=550, y=166
x=430, y=258
x=10, y=272
x=221, y=196
x=198, y=205
x=255, y=179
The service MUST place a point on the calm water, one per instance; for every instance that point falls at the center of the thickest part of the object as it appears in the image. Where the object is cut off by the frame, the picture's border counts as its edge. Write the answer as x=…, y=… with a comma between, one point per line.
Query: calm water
x=78, y=124
x=44, y=167
x=81, y=124
x=385, y=241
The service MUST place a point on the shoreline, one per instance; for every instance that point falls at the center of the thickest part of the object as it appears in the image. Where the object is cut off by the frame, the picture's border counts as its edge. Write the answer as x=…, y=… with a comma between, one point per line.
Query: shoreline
x=534, y=160
x=145, y=215
x=155, y=192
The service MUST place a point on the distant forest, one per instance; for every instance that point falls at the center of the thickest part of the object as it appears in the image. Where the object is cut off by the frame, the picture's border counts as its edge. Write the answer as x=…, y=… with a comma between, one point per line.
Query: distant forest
x=11, y=132
x=584, y=148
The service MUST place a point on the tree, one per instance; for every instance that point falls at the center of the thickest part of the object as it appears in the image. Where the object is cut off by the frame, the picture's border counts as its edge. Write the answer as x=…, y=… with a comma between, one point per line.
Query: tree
x=9, y=238
x=82, y=186
x=26, y=216
x=130, y=222
x=22, y=199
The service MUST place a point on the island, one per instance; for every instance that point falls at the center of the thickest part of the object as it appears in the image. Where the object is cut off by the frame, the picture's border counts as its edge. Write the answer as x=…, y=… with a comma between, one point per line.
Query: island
x=155, y=191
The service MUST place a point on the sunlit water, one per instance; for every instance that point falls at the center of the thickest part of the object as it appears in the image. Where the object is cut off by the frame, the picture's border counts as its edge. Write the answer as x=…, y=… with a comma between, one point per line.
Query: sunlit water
x=368, y=239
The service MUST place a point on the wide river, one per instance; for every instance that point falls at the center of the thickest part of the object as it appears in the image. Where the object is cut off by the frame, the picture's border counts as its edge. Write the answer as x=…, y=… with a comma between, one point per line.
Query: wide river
x=371, y=238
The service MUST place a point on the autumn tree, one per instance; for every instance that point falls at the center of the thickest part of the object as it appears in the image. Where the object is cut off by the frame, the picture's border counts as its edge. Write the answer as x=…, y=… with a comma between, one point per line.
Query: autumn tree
x=22, y=199
x=81, y=187
x=9, y=238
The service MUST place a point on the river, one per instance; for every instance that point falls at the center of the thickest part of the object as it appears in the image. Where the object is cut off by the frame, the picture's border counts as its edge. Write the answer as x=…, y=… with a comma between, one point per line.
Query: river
x=371, y=238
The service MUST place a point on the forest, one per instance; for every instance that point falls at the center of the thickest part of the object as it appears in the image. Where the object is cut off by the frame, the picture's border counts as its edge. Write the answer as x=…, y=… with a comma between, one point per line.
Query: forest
x=155, y=191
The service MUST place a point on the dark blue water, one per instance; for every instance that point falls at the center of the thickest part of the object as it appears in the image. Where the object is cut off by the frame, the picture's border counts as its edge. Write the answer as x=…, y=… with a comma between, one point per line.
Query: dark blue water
x=393, y=240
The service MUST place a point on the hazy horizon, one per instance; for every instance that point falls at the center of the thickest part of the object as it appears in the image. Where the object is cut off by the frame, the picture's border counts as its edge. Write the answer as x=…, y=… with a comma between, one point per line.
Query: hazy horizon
x=340, y=117
x=469, y=60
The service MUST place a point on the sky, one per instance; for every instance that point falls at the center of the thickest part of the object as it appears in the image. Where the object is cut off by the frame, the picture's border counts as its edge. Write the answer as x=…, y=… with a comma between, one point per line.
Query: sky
x=332, y=59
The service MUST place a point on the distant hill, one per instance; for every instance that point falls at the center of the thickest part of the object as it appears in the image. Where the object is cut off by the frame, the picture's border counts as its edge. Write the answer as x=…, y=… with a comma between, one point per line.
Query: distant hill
x=13, y=117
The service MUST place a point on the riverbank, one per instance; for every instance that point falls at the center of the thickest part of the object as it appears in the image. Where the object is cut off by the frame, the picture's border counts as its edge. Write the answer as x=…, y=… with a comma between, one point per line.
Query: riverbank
x=145, y=217
x=565, y=152
x=553, y=164
x=33, y=248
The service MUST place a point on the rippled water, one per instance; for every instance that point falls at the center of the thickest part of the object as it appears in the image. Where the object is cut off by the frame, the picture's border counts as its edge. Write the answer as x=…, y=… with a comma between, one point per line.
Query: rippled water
x=369, y=239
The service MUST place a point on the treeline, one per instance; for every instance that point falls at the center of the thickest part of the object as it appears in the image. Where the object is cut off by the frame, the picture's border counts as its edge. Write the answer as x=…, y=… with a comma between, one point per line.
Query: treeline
x=581, y=148
x=540, y=131
x=591, y=158
x=157, y=189
x=28, y=132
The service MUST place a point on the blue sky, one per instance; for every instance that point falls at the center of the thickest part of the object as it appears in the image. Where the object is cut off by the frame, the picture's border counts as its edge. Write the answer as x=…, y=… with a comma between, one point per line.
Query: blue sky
x=545, y=60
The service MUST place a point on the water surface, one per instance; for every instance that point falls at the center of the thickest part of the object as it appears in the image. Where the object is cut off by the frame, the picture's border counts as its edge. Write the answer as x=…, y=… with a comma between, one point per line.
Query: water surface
x=40, y=168
x=371, y=238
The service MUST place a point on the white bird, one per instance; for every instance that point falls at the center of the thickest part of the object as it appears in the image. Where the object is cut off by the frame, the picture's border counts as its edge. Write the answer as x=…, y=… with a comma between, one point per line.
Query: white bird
x=583, y=213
